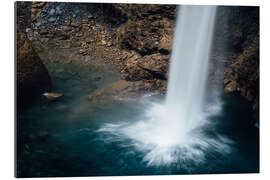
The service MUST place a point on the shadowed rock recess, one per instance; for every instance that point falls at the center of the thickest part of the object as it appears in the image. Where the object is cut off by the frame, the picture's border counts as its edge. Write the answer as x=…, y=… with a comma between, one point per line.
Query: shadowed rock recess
x=32, y=76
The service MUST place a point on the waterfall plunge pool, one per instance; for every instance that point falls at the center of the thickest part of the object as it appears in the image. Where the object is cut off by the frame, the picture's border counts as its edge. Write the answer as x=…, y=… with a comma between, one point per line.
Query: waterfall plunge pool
x=75, y=146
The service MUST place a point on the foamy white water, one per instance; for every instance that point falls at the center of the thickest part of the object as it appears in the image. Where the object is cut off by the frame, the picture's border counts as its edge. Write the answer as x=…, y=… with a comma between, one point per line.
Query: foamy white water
x=172, y=132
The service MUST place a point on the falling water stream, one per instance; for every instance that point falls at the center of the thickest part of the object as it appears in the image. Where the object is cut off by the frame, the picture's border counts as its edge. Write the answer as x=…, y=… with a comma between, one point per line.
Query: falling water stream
x=189, y=66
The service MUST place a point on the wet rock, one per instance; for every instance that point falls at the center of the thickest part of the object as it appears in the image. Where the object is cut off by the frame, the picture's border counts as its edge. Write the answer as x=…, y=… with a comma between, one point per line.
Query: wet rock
x=36, y=9
x=231, y=86
x=67, y=46
x=60, y=35
x=52, y=19
x=43, y=32
x=44, y=40
x=27, y=30
x=38, y=4
x=83, y=51
x=243, y=74
x=52, y=96
x=88, y=40
x=59, y=12
x=103, y=42
x=52, y=12
x=66, y=28
x=165, y=45
x=38, y=24
x=58, y=8
x=79, y=34
x=90, y=16
x=109, y=44
x=73, y=24
x=154, y=66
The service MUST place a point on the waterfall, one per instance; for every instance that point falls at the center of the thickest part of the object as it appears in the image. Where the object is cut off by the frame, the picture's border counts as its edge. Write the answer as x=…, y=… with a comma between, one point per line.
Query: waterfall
x=189, y=65
x=174, y=131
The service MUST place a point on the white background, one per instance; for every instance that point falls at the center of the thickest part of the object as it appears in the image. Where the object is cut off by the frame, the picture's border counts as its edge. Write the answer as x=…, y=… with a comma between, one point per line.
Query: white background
x=7, y=90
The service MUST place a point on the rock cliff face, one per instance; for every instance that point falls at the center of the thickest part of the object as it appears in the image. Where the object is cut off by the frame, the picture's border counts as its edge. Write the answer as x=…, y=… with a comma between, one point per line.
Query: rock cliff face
x=243, y=74
x=235, y=53
x=148, y=32
x=149, y=28
x=237, y=49
x=137, y=39
x=32, y=76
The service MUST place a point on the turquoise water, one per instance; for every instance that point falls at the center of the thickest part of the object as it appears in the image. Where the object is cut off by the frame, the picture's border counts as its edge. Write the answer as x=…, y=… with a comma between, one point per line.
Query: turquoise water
x=60, y=138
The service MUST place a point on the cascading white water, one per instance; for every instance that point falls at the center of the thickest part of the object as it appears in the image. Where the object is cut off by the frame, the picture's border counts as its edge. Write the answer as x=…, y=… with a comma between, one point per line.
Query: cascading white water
x=172, y=132
x=188, y=66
